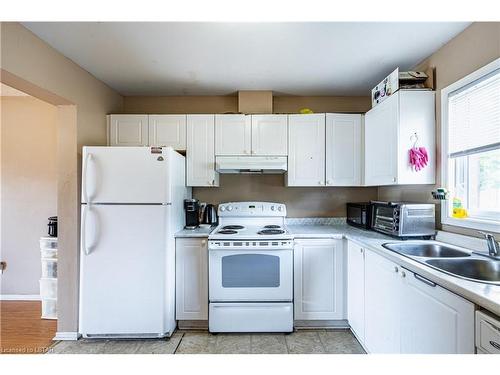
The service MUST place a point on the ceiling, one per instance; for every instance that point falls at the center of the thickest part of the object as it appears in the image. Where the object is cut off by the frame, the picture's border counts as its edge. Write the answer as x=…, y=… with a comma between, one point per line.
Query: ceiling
x=187, y=58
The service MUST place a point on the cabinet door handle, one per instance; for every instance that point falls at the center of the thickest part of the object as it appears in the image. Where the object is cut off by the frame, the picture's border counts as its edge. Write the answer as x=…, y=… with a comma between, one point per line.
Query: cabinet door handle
x=403, y=274
x=396, y=269
x=496, y=345
x=361, y=250
x=424, y=280
x=492, y=326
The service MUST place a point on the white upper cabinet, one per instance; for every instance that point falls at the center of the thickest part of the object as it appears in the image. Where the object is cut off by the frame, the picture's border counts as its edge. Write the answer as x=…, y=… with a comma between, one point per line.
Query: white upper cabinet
x=233, y=135
x=356, y=288
x=128, y=130
x=381, y=142
x=270, y=135
x=306, y=150
x=319, y=280
x=343, y=149
x=200, y=153
x=168, y=131
x=191, y=279
x=389, y=135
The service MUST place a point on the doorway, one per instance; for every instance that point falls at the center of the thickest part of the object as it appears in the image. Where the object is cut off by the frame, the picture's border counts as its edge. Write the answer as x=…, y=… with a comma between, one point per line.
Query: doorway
x=28, y=197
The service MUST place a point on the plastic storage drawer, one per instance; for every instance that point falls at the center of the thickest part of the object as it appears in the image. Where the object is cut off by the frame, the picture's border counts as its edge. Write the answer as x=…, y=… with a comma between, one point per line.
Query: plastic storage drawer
x=49, y=253
x=48, y=243
x=49, y=268
x=48, y=288
x=49, y=308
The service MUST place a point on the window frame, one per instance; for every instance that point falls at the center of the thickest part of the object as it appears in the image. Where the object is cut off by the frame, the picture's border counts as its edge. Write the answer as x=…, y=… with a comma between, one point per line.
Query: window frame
x=471, y=223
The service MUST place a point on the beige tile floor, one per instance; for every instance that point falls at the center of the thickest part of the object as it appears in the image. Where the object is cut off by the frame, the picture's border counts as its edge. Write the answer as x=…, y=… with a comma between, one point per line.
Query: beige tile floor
x=338, y=341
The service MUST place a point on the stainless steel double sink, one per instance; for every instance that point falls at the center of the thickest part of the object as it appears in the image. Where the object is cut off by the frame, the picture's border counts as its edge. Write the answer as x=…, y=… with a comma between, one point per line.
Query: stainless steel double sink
x=450, y=259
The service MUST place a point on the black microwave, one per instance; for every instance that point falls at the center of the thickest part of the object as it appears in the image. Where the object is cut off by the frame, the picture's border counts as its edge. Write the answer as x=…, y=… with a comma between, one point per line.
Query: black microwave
x=359, y=214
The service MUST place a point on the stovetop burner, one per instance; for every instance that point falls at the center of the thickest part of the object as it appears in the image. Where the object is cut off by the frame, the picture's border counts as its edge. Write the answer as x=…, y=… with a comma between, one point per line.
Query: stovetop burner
x=233, y=227
x=272, y=226
x=227, y=231
x=271, y=231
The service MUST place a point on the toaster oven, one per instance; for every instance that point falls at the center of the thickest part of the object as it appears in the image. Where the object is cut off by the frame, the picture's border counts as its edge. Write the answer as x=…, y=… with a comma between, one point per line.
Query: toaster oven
x=403, y=219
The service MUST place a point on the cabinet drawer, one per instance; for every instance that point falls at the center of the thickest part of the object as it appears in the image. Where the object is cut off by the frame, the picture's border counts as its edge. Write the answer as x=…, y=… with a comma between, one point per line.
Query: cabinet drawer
x=487, y=333
x=251, y=317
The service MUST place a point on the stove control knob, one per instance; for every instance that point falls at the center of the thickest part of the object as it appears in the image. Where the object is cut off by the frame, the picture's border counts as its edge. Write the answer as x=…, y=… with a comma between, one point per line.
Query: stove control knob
x=272, y=208
x=229, y=208
x=280, y=208
x=223, y=208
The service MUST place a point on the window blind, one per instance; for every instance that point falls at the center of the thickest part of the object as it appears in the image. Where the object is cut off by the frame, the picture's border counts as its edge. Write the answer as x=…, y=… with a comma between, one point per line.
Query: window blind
x=474, y=117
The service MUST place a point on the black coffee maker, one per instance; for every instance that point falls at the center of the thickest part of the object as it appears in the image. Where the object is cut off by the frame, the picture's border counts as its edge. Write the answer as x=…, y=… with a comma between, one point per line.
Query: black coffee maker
x=192, y=210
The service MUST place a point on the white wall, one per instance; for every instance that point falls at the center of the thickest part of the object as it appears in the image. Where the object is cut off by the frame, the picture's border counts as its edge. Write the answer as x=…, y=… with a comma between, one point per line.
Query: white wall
x=28, y=188
x=31, y=65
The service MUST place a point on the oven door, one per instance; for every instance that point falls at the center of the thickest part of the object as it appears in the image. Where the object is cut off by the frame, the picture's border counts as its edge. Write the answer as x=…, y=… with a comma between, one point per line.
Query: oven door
x=250, y=275
x=384, y=219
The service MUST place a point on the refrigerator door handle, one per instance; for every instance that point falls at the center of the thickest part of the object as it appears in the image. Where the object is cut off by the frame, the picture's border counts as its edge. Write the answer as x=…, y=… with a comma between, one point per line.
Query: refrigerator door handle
x=84, y=230
x=96, y=231
x=88, y=158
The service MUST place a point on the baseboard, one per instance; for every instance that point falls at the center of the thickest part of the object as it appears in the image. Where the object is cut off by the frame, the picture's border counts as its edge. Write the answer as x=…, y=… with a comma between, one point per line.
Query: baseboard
x=320, y=324
x=66, y=336
x=193, y=324
x=20, y=297
x=360, y=341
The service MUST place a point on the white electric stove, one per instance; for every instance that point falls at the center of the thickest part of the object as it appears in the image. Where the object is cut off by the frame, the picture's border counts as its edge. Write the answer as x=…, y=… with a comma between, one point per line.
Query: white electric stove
x=251, y=269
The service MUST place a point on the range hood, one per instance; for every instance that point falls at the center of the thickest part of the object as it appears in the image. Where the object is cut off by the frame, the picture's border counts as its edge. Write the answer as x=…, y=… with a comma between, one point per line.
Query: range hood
x=251, y=164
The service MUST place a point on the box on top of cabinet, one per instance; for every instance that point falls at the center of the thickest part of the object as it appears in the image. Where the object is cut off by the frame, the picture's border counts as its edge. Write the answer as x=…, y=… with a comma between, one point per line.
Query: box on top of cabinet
x=255, y=101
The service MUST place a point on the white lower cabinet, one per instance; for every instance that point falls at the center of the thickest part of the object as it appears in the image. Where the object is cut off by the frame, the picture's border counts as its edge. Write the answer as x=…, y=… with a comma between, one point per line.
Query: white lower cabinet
x=356, y=288
x=191, y=279
x=382, y=304
x=487, y=333
x=406, y=313
x=439, y=320
x=319, y=279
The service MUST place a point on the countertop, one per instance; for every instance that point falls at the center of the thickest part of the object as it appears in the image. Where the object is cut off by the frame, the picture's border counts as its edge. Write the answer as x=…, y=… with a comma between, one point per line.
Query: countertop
x=485, y=295
x=200, y=232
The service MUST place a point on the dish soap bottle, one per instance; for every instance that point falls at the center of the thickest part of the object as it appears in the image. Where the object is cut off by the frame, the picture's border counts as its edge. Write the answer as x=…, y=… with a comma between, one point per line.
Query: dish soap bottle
x=458, y=211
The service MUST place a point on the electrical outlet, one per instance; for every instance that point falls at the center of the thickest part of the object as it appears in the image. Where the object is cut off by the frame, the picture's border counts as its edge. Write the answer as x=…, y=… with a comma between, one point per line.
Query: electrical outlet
x=3, y=266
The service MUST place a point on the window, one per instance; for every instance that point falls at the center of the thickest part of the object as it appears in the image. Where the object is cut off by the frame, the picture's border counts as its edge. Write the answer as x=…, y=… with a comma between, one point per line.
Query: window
x=471, y=149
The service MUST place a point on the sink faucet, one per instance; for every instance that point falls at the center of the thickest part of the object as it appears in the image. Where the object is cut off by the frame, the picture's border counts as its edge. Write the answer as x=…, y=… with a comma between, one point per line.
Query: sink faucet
x=493, y=247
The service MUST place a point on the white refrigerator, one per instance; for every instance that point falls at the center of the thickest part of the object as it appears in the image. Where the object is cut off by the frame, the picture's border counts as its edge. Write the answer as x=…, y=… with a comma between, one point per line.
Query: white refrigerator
x=132, y=204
